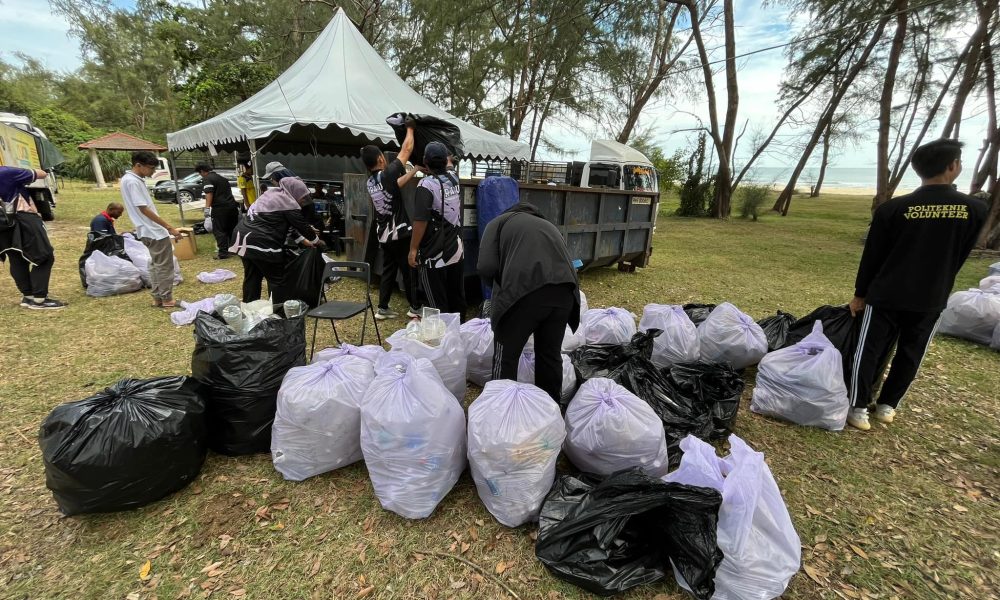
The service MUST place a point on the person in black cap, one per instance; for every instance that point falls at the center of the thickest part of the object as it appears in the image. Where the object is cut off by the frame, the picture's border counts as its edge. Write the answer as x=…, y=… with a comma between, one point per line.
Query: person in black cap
x=436, y=249
x=221, y=211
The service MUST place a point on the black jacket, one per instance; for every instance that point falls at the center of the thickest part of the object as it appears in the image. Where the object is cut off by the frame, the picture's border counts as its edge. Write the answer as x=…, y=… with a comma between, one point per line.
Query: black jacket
x=519, y=253
x=261, y=234
x=916, y=246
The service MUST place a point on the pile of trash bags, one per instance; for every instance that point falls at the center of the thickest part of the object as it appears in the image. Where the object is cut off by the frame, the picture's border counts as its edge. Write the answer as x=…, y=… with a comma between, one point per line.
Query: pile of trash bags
x=369, y=353
x=444, y=347
x=131, y=444
x=728, y=335
x=608, y=535
x=107, y=243
x=138, y=253
x=515, y=433
x=608, y=325
x=608, y=428
x=317, y=426
x=412, y=435
x=759, y=543
x=242, y=373
x=804, y=384
x=477, y=337
x=839, y=326
x=629, y=366
x=678, y=339
x=110, y=275
x=972, y=315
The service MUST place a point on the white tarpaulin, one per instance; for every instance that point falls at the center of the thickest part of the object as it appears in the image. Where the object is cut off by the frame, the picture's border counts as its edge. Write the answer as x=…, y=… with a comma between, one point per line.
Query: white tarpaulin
x=336, y=95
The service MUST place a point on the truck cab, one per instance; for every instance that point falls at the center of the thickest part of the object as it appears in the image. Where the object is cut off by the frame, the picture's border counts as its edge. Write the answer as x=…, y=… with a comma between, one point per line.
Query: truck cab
x=24, y=145
x=617, y=166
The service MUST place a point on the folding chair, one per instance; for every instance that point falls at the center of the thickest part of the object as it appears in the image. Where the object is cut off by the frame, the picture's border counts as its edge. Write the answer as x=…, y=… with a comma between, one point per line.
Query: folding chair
x=338, y=310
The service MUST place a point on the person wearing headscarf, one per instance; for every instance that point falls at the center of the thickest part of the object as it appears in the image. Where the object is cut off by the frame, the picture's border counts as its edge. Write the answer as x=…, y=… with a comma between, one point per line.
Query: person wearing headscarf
x=259, y=239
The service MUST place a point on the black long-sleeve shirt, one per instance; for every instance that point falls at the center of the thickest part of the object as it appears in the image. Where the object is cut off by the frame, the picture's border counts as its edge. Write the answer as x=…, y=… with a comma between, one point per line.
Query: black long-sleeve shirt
x=916, y=245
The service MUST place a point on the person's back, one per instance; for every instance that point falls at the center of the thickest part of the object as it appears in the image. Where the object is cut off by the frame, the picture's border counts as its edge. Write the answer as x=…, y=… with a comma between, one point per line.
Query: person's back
x=918, y=243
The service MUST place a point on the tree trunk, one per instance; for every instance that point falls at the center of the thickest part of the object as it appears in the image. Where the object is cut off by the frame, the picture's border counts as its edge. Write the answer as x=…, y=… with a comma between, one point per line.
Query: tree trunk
x=825, y=161
x=784, y=200
x=885, y=105
x=954, y=121
x=724, y=180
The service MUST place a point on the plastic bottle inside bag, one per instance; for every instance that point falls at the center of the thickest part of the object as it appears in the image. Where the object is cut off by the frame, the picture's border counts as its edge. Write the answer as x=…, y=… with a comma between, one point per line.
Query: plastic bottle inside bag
x=221, y=301
x=294, y=308
x=233, y=317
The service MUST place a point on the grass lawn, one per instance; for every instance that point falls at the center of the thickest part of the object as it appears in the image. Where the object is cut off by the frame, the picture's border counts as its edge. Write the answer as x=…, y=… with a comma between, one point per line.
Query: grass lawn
x=908, y=511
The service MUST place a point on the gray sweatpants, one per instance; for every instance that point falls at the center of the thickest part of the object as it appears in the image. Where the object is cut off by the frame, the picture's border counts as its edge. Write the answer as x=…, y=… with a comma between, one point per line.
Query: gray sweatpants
x=161, y=267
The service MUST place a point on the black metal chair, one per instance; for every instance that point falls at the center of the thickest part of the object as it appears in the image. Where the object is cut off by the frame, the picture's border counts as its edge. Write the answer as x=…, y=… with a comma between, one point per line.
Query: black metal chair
x=338, y=310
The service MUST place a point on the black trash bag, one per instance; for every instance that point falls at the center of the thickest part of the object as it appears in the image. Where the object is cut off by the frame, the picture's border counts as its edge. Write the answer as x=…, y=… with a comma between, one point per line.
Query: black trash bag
x=629, y=366
x=427, y=129
x=126, y=446
x=716, y=385
x=304, y=276
x=776, y=329
x=611, y=535
x=108, y=243
x=698, y=312
x=838, y=326
x=242, y=375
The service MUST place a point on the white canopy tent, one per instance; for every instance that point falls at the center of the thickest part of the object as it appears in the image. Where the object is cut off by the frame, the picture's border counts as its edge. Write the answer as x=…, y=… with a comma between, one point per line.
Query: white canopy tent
x=615, y=152
x=334, y=99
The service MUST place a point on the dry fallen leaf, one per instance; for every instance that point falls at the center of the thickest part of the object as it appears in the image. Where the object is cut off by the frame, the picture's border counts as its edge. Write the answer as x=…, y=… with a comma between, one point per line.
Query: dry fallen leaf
x=144, y=571
x=465, y=547
x=132, y=596
x=212, y=566
x=501, y=567
x=239, y=593
x=277, y=526
x=960, y=508
x=859, y=552
x=224, y=541
x=366, y=591
x=813, y=574
x=315, y=567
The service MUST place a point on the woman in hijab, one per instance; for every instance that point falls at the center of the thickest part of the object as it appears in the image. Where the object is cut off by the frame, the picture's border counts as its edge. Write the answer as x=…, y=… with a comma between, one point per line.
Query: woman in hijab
x=261, y=234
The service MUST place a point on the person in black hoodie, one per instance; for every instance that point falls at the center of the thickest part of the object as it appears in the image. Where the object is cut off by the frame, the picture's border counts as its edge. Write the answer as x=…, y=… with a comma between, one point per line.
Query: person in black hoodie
x=535, y=291
x=916, y=246
x=259, y=239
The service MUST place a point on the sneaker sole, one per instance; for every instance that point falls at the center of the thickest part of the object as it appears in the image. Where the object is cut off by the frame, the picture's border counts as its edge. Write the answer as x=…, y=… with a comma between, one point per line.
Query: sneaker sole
x=45, y=307
x=379, y=317
x=860, y=427
x=886, y=420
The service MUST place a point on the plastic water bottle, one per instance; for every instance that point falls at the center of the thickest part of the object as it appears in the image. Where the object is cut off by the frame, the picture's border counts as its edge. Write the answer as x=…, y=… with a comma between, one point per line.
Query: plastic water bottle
x=294, y=308
x=233, y=317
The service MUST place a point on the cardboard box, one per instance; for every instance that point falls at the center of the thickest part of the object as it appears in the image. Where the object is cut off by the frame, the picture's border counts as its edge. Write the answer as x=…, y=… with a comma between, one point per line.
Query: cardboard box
x=186, y=246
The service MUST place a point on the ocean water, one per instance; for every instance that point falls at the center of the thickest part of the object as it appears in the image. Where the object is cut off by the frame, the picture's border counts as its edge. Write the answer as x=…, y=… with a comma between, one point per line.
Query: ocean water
x=860, y=178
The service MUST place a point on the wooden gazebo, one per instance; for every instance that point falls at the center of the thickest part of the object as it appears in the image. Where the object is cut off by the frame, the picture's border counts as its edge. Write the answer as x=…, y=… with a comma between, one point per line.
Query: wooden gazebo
x=115, y=141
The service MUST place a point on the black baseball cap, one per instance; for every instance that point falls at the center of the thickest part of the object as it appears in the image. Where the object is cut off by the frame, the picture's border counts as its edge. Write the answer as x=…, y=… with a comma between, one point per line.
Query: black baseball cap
x=436, y=150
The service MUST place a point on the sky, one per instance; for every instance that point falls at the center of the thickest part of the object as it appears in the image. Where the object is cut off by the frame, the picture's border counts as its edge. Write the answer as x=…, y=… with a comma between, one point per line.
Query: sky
x=32, y=28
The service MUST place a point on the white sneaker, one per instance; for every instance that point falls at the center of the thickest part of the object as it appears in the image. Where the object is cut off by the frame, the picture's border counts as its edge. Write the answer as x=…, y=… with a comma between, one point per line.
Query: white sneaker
x=884, y=413
x=858, y=418
x=384, y=313
x=413, y=313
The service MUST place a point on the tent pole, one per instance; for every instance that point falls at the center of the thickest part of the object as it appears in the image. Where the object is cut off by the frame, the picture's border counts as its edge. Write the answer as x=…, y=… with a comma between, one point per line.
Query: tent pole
x=253, y=165
x=173, y=173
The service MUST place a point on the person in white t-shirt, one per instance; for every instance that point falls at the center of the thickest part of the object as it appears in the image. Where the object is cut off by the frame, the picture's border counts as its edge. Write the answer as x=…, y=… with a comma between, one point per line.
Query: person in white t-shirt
x=150, y=228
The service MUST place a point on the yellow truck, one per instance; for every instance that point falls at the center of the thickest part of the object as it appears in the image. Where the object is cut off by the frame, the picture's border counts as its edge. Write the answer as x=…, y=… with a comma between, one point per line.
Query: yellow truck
x=23, y=145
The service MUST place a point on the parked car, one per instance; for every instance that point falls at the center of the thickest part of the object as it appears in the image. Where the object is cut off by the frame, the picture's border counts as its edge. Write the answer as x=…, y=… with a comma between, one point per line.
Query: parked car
x=190, y=188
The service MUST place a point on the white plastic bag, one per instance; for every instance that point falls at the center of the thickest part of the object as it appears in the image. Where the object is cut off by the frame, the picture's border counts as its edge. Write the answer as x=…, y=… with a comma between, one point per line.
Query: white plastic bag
x=804, y=383
x=755, y=532
x=526, y=373
x=990, y=284
x=448, y=357
x=608, y=326
x=138, y=253
x=190, y=310
x=678, y=341
x=995, y=344
x=317, y=426
x=608, y=428
x=216, y=276
x=515, y=433
x=728, y=335
x=110, y=275
x=477, y=337
x=370, y=353
x=412, y=435
x=995, y=269
x=972, y=315
x=574, y=339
